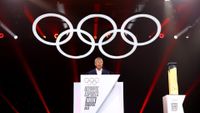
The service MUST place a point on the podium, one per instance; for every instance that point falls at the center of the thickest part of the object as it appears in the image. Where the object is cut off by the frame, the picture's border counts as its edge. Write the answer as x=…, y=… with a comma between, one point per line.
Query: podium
x=173, y=103
x=98, y=94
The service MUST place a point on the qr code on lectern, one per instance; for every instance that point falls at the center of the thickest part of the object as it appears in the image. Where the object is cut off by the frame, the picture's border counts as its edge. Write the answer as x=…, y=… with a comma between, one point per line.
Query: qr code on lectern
x=174, y=106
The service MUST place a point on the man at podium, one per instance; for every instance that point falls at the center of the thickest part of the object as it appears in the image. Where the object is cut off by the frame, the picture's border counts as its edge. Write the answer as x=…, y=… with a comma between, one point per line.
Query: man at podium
x=98, y=94
x=99, y=70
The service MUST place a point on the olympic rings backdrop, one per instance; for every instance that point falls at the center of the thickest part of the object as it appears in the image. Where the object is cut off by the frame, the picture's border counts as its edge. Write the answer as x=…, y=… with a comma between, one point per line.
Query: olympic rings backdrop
x=123, y=32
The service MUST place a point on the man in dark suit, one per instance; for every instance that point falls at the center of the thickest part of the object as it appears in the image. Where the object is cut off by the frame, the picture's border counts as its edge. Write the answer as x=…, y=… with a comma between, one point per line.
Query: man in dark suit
x=99, y=70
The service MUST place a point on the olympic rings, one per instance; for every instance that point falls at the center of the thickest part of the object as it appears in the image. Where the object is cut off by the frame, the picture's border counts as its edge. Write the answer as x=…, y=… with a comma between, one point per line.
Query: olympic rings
x=70, y=56
x=120, y=56
x=92, y=42
x=145, y=16
x=34, y=26
x=93, y=16
x=91, y=81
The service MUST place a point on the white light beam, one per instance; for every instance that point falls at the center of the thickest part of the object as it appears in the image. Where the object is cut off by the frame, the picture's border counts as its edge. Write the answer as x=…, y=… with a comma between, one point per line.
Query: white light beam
x=182, y=32
x=8, y=30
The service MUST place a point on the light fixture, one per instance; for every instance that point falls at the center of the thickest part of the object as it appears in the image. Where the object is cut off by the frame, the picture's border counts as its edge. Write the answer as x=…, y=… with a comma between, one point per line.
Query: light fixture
x=182, y=32
x=8, y=30
x=1, y=35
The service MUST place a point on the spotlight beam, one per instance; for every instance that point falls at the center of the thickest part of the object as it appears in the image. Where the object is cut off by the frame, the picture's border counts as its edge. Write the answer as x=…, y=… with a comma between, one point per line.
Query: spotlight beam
x=182, y=32
x=30, y=75
x=196, y=22
x=193, y=87
x=8, y=30
x=187, y=28
x=8, y=102
x=29, y=16
x=61, y=9
x=166, y=55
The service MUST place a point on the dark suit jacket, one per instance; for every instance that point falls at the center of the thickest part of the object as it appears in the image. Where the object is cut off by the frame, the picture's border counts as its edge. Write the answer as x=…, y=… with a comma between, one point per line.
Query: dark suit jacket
x=104, y=71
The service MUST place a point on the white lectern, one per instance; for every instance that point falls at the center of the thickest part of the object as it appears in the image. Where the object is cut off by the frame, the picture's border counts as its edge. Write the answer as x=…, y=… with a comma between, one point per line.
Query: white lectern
x=173, y=103
x=98, y=94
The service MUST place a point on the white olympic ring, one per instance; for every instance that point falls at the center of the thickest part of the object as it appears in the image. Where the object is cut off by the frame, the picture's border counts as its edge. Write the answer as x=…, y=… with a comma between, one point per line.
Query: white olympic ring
x=91, y=81
x=100, y=43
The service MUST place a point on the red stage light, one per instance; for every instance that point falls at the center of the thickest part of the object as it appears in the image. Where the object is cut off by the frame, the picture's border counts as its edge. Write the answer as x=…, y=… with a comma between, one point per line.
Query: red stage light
x=56, y=35
x=162, y=35
x=44, y=36
x=1, y=35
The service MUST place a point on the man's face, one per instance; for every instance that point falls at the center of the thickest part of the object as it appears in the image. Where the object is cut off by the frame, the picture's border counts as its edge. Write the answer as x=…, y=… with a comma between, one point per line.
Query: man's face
x=99, y=63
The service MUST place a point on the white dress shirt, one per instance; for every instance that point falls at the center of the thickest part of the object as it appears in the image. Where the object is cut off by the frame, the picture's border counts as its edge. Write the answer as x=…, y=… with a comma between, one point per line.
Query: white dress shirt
x=99, y=72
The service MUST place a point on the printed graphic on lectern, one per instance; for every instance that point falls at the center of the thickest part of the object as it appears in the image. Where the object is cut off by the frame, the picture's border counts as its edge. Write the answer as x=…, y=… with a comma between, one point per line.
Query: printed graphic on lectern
x=174, y=106
x=91, y=92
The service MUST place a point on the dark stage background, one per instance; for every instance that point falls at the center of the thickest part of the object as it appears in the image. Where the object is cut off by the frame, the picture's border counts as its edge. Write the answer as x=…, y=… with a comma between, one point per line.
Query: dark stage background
x=36, y=78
